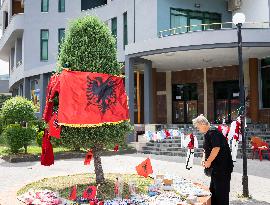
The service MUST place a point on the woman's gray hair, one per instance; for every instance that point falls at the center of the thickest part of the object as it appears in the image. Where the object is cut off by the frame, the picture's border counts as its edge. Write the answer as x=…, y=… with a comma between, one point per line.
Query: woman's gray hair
x=200, y=120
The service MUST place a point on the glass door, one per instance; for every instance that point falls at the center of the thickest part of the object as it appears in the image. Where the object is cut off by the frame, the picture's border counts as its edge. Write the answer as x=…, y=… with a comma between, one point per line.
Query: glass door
x=226, y=98
x=196, y=22
x=185, y=100
x=191, y=107
x=178, y=112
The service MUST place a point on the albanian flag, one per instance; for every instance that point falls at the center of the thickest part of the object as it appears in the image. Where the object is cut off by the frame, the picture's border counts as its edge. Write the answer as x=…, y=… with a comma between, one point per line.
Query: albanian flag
x=54, y=127
x=88, y=99
x=52, y=89
x=145, y=168
x=90, y=192
x=47, y=157
x=88, y=158
x=73, y=193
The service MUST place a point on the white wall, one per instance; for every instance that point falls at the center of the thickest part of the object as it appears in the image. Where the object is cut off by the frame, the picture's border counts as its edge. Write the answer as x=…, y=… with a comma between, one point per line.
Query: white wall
x=255, y=11
x=117, y=8
x=145, y=20
x=35, y=20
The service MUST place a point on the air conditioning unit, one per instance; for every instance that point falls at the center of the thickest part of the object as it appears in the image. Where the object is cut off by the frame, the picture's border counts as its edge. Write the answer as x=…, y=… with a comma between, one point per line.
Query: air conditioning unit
x=234, y=5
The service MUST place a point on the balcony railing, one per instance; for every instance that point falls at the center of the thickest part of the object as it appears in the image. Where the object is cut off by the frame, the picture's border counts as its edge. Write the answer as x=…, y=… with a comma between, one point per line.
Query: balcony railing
x=209, y=27
x=9, y=23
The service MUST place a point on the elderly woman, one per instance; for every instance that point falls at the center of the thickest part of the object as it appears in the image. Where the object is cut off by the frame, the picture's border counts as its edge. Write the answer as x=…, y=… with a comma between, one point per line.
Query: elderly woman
x=217, y=158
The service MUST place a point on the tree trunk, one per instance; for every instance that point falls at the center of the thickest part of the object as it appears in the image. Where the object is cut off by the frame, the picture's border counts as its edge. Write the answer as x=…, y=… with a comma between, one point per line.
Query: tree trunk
x=98, y=166
x=25, y=149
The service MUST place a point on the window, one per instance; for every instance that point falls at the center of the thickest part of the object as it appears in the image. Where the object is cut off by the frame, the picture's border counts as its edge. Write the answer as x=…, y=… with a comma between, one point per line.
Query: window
x=12, y=54
x=89, y=4
x=44, y=40
x=265, y=78
x=61, y=5
x=44, y=5
x=114, y=27
x=182, y=18
x=35, y=92
x=61, y=36
x=21, y=90
x=125, y=29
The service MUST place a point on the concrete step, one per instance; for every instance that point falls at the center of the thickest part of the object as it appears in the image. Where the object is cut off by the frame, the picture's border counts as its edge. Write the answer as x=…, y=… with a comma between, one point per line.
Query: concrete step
x=171, y=153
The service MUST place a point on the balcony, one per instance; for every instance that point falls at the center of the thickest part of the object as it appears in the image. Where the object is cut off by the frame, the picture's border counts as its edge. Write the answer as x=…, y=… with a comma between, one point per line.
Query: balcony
x=189, y=48
x=12, y=32
x=9, y=9
x=209, y=27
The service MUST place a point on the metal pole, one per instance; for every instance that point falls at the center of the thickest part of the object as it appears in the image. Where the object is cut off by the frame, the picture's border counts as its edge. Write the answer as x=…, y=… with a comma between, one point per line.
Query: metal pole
x=242, y=111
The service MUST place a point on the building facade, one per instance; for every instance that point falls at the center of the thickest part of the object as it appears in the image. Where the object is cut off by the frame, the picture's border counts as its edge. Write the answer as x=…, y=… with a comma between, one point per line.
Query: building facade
x=4, y=89
x=180, y=55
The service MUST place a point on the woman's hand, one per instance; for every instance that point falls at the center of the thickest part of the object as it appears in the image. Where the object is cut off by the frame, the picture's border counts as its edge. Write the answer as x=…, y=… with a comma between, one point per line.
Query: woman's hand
x=207, y=164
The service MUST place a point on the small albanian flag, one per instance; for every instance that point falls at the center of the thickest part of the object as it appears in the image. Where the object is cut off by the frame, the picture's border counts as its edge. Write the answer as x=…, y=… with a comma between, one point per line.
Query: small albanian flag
x=145, y=168
x=116, y=148
x=54, y=127
x=167, y=133
x=47, y=157
x=73, y=193
x=88, y=158
x=90, y=192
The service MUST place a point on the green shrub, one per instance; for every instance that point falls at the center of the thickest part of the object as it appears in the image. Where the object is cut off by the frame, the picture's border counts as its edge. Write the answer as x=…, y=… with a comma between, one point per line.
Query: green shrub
x=1, y=124
x=18, y=110
x=39, y=124
x=3, y=98
x=39, y=138
x=17, y=137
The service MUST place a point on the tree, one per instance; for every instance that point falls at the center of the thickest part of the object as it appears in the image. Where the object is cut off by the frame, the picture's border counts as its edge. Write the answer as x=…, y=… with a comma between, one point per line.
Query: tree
x=89, y=46
x=18, y=110
x=15, y=114
x=3, y=98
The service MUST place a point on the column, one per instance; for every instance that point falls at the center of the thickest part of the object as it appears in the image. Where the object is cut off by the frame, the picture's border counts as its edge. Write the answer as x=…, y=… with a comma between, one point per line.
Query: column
x=129, y=83
x=169, y=96
x=154, y=83
x=26, y=88
x=148, y=92
x=254, y=90
x=204, y=93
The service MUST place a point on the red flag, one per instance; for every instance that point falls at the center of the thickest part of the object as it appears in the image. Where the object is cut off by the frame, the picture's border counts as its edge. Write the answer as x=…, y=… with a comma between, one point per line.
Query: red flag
x=83, y=94
x=90, y=192
x=116, y=148
x=167, y=133
x=47, y=157
x=54, y=127
x=52, y=88
x=73, y=194
x=145, y=168
x=191, y=143
x=88, y=158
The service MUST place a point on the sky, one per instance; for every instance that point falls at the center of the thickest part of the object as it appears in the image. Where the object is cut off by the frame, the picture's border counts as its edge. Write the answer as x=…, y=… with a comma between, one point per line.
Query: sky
x=3, y=67
x=3, y=64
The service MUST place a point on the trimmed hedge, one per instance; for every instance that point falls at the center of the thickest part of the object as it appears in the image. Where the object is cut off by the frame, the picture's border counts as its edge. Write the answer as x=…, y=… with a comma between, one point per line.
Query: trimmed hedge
x=17, y=137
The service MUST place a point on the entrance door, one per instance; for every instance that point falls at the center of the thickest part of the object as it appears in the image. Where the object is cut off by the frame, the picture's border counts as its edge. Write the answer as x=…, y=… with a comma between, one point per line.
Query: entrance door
x=185, y=100
x=226, y=98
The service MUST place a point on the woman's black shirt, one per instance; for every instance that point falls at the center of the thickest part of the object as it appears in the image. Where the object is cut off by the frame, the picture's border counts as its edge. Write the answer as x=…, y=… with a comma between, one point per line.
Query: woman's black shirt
x=223, y=162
